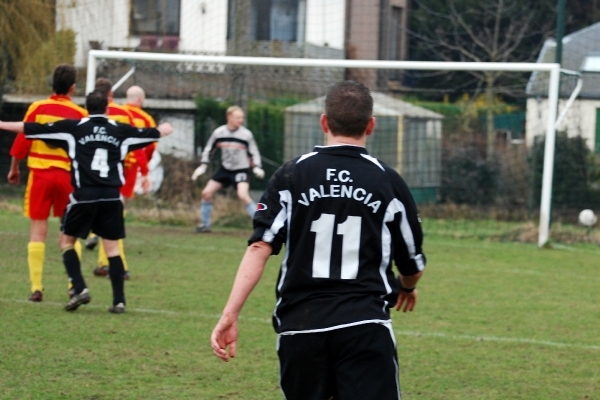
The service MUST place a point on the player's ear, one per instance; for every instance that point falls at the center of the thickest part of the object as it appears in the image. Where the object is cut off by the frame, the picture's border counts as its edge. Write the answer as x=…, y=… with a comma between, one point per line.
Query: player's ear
x=324, y=123
x=71, y=90
x=370, y=126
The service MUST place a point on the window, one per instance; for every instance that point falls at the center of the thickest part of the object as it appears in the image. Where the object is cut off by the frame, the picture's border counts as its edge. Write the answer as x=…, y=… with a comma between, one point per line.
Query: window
x=269, y=19
x=396, y=34
x=155, y=17
x=391, y=37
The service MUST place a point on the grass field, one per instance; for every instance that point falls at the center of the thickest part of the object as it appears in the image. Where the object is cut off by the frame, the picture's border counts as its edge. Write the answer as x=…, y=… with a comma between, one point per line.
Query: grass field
x=494, y=321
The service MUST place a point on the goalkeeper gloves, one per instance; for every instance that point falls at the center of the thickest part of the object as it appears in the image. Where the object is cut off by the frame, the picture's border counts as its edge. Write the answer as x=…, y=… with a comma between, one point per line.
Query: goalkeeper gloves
x=258, y=172
x=199, y=171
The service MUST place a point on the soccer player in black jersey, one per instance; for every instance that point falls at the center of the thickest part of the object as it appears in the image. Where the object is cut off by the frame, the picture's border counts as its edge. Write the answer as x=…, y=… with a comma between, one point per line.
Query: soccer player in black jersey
x=97, y=147
x=345, y=218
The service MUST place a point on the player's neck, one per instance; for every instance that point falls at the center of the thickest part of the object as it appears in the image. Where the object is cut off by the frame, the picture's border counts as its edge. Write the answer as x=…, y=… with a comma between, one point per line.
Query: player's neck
x=342, y=140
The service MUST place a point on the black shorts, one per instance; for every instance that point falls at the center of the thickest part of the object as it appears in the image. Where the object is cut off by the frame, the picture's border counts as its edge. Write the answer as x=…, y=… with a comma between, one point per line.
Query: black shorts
x=228, y=178
x=358, y=362
x=96, y=210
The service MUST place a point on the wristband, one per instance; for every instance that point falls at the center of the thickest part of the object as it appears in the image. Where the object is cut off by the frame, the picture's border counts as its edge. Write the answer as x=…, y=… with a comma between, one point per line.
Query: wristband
x=407, y=290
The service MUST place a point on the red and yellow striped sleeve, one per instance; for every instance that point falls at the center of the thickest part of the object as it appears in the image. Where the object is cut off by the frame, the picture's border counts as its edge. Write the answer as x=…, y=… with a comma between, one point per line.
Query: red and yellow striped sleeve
x=119, y=113
x=141, y=119
x=39, y=154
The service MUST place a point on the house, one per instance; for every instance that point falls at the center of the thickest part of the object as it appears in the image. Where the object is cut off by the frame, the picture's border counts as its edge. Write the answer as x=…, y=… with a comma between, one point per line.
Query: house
x=358, y=29
x=581, y=53
x=408, y=138
x=354, y=29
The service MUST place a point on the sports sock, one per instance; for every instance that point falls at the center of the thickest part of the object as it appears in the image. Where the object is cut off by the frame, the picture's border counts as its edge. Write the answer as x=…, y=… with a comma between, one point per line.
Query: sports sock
x=102, y=257
x=77, y=247
x=73, y=267
x=206, y=211
x=122, y=252
x=251, y=209
x=35, y=260
x=115, y=271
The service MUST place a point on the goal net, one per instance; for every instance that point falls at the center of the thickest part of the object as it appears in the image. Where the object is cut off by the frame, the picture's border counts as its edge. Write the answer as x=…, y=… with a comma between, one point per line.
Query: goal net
x=479, y=162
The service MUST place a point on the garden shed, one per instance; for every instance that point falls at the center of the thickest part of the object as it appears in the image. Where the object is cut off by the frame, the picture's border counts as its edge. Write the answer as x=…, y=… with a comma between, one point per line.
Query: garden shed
x=407, y=137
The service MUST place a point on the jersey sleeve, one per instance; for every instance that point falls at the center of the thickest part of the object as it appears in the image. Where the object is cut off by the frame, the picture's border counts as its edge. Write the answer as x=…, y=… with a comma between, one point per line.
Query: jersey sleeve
x=55, y=134
x=270, y=221
x=254, y=153
x=205, y=159
x=405, y=229
x=142, y=160
x=20, y=147
x=136, y=138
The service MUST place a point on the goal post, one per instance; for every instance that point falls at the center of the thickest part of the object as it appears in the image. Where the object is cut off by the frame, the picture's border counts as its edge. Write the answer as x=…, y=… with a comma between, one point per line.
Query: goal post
x=553, y=86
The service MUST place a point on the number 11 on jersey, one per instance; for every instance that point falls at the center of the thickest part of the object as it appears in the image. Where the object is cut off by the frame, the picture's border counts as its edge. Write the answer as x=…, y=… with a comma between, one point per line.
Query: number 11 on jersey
x=324, y=229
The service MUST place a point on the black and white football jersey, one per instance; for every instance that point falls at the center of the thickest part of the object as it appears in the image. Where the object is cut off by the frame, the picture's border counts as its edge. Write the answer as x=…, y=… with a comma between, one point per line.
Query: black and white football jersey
x=344, y=218
x=236, y=148
x=96, y=146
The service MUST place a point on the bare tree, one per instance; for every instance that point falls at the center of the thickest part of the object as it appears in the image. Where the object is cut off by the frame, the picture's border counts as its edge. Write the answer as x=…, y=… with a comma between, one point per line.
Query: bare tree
x=23, y=23
x=483, y=31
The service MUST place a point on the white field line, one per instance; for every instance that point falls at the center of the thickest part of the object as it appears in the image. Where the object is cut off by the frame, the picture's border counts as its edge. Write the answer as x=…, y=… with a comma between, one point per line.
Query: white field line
x=440, y=335
x=498, y=339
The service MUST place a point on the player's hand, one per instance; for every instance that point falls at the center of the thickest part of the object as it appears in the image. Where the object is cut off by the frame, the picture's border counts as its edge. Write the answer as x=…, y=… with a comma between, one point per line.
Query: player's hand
x=165, y=129
x=224, y=337
x=199, y=171
x=146, y=184
x=14, y=176
x=408, y=300
x=259, y=172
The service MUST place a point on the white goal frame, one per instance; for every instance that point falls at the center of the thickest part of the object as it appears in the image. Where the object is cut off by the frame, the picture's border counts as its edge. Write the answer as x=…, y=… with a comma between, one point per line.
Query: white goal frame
x=553, y=87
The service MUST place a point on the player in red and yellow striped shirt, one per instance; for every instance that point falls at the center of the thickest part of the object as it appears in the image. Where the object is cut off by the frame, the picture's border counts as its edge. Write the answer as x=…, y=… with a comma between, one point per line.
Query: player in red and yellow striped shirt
x=141, y=119
x=49, y=182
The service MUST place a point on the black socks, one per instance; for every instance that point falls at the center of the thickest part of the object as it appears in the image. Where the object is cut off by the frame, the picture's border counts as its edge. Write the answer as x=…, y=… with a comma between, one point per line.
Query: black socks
x=116, y=269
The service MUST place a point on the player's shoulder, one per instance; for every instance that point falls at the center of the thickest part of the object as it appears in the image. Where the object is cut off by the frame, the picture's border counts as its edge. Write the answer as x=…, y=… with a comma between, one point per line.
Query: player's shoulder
x=245, y=130
x=119, y=113
x=118, y=108
x=77, y=108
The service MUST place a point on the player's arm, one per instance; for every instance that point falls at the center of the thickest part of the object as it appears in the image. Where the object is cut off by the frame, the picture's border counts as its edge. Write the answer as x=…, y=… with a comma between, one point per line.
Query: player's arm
x=138, y=138
x=205, y=158
x=256, y=160
x=407, y=237
x=12, y=126
x=19, y=150
x=225, y=334
x=14, y=174
x=142, y=162
x=254, y=153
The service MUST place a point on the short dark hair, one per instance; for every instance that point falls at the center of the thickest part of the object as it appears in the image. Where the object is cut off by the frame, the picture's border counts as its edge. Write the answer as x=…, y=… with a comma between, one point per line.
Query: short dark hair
x=64, y=77
x=349, y=108
x=103, y=85
x=96, y=102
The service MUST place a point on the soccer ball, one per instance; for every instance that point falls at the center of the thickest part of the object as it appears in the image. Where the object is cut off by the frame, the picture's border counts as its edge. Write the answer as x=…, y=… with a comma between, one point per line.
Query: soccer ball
x=587, y=218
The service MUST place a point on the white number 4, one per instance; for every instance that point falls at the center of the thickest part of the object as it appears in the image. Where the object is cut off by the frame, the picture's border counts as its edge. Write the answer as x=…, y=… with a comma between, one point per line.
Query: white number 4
x=350, y=230
x=100, y=162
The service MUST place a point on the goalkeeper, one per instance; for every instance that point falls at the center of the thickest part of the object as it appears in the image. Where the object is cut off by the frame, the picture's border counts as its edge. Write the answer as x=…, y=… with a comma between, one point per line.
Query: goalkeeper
x=239, y=154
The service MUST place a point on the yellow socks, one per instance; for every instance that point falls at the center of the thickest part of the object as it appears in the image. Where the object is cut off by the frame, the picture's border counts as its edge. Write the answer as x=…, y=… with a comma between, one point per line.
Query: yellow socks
x=103, y=259
x=122, y=251
x=77, y=247
x=35, y=260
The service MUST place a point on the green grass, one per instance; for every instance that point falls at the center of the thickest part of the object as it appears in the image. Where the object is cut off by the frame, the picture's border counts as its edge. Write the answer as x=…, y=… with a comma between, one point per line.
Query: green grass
x=494, y=321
